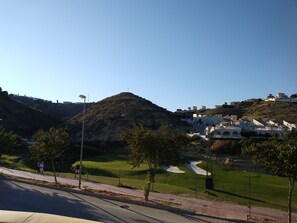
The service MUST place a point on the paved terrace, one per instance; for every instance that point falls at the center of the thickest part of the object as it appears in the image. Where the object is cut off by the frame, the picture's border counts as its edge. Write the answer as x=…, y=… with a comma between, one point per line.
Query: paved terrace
x=192, y=205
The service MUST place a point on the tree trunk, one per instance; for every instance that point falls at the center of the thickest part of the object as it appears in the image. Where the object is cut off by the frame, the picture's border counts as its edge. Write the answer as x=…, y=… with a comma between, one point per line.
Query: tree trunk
x=291, y=188
x=54, y=170
x=152, y=179
x=147, y=191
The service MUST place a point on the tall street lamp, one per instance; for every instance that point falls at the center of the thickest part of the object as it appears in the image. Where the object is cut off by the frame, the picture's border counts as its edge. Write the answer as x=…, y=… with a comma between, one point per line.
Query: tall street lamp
x=82, y=141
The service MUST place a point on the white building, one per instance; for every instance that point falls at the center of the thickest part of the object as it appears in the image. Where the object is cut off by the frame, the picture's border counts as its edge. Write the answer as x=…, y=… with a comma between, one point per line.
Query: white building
x=200, y=122
x=246, y=125
x=258, y=123
x=234, y=103
x=270, y=127
x=282, y=97
x=208, y=120
x=290, y=126
x=225, y=131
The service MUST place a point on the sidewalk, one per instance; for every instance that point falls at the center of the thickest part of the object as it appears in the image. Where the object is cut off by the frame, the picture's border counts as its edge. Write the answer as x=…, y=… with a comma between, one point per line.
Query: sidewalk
x=192, y=205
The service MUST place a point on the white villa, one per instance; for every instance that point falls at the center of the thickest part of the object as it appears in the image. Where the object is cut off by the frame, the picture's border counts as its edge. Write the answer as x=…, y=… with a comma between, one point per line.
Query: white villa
x=224, y=131
x=290, y=126
x=282, y=97
x=229, y=127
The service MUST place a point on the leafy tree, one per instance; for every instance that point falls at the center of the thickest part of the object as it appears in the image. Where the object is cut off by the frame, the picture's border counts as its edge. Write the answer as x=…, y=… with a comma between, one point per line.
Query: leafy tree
x=279, y=156
x=50, y=145
x=3, y=94
x=8, y=141
x=155, y=147
x=293, y=96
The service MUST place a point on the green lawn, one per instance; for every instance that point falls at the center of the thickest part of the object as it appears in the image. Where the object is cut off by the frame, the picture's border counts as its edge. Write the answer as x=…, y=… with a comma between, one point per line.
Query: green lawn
x=14, y=162
x=230, y=184
x=265, y=190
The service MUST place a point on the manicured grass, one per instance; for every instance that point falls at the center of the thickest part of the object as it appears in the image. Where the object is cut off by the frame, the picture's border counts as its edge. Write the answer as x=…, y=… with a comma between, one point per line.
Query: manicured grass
x=265, y=190
x=113, y=166
x=230, y=184
x=14, y=162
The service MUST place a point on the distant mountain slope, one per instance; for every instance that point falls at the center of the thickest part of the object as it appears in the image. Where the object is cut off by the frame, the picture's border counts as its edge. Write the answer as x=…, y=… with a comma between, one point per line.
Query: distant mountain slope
x=21, y=118
x=107, y=119
x=276, y=111
x=55, y=110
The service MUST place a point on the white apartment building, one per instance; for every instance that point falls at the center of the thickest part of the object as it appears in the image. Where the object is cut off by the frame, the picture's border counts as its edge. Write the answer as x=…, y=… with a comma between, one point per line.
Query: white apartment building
x=290, y=126
x=225, y=131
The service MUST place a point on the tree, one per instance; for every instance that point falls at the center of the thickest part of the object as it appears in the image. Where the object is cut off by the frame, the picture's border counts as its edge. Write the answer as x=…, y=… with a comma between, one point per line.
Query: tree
x=8, y=141
x=280, y=156
x=50, y=145
x=293, y=95
x=225, y=147
x=155, y=147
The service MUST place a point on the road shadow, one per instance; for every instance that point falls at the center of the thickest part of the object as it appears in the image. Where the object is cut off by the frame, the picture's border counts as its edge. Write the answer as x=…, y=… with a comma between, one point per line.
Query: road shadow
x=15, y=197
x=191, y=217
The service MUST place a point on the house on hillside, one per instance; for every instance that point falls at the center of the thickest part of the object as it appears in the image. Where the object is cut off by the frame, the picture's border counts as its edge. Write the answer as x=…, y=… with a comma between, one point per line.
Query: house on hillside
x=246, y=125
x=258, y=123
x=270, y=127
x=290, y=126
x=230, y=118
x=234, y=103
x=224, y=130
x=201, y=122
x=229, y=127
x=251, y=100
x=282, y=97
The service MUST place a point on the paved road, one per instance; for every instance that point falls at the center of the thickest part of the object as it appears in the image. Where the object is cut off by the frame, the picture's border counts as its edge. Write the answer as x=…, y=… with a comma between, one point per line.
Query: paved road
x=19, y=196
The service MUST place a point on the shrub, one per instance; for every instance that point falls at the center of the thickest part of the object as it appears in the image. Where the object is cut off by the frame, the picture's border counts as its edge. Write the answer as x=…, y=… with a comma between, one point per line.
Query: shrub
x=226, y=147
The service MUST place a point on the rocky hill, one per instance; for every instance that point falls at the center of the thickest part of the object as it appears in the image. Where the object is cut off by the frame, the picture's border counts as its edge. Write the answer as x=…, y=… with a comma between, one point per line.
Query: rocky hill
x=107, y=119
x=276, y=111
x=22, y=119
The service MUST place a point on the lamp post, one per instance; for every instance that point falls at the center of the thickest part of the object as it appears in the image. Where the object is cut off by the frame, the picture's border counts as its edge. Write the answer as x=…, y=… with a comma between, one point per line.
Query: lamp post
x=82, y=141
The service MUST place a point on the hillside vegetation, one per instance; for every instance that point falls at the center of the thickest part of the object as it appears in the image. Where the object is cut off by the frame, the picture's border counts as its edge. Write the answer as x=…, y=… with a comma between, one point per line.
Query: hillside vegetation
x=276, y=111
x=107, y=119
x=22, y=119
x=55, y=110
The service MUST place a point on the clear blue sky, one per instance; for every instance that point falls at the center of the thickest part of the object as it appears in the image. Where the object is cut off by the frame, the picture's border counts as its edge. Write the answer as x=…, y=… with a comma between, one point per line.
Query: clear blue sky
x=175, y=53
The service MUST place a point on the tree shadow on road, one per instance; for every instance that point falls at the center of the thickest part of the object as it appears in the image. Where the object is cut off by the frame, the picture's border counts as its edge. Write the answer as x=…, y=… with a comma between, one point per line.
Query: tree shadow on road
x=20, y=197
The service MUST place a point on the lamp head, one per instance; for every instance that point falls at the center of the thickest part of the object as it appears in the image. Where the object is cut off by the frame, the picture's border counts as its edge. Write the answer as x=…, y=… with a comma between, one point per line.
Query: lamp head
x=82, y=96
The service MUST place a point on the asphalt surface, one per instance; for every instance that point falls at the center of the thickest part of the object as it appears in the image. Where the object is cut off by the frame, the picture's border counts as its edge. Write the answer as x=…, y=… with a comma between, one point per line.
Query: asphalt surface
x=19, y=196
